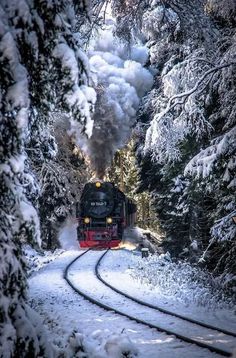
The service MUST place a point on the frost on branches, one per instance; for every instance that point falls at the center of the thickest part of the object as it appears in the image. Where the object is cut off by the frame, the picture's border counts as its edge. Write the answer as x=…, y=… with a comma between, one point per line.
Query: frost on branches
x=204, y=165
x=187, y=125
x=32, y=83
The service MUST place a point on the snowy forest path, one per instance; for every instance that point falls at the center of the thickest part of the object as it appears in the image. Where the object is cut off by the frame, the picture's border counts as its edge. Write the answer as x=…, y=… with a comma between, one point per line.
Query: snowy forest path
x=216, y=342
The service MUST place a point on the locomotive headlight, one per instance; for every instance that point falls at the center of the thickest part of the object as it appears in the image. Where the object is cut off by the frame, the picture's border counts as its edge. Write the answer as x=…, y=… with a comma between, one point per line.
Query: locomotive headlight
x=109, y=220
x=86, y=220
x=98, y=184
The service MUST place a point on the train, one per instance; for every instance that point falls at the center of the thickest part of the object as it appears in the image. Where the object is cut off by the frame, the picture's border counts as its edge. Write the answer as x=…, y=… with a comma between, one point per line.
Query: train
x=103, y=213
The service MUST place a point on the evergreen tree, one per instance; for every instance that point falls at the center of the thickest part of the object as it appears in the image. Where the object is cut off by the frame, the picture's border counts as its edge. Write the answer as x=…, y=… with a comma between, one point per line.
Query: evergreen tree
x=186, y=144
x=191, y=140
x=124, y=173
x=42, y=67
x=61, y=181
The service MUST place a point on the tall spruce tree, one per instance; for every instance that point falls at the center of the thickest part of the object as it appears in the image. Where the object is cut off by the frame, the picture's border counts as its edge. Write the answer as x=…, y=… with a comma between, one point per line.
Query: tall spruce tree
x=123, y=172
x=186, y=146
x=41, y=67
x=191, y=137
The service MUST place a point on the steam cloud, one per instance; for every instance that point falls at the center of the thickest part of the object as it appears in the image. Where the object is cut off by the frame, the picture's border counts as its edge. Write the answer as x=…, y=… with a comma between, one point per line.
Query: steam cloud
x=121, y=82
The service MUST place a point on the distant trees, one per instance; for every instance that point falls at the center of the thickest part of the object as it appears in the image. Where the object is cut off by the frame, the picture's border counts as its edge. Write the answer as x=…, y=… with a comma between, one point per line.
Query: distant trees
x=61, y=180
x=123, y=172
x=41, y=68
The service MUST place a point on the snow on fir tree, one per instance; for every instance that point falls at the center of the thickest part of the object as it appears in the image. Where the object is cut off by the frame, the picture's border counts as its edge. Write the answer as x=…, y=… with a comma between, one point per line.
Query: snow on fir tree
x=35, y=77
x=187, y=125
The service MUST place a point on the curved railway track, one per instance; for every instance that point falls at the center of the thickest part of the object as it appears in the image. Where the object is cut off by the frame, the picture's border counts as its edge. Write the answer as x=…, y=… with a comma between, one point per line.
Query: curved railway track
x=199, y=343
x=158, y=308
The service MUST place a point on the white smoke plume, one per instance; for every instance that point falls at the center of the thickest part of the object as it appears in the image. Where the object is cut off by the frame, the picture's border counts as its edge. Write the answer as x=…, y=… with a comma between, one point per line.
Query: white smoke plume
x=121, y=81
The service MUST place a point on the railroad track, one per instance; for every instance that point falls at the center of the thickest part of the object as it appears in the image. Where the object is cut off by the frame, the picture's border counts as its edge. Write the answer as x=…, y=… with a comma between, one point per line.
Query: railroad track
x=223, y=335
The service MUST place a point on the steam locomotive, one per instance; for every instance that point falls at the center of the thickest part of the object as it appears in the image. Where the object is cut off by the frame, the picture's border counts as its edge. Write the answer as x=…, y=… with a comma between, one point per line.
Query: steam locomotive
x=103, y=214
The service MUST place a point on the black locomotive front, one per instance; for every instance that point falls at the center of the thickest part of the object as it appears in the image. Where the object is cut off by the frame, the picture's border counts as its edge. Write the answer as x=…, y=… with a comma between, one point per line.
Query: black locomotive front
x=102, y=215
x=97, y=200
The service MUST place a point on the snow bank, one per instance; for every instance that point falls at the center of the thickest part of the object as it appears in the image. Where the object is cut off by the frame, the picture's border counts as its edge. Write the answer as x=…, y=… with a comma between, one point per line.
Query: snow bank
x=188, y=284
x=100, y=344
x=36, y=260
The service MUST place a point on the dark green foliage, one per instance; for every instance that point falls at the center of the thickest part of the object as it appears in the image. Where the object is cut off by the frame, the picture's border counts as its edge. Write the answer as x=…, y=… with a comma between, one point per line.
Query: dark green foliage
x=32, y=83
x=193, y=192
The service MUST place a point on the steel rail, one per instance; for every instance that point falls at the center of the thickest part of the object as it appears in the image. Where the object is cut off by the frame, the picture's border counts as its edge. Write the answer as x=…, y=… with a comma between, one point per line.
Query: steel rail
x=158, y=308
x=150, y=325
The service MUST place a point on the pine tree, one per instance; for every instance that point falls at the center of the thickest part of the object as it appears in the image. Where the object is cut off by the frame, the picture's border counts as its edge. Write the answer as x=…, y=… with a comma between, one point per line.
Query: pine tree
x=41, y=67
x=123, y=172
x=61, y=181
x=186, y=148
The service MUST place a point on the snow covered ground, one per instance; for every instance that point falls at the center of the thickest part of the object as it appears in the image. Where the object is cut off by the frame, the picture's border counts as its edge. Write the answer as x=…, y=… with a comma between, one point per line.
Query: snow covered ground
x=165, y=281
x=176, y=287
x=101, y=334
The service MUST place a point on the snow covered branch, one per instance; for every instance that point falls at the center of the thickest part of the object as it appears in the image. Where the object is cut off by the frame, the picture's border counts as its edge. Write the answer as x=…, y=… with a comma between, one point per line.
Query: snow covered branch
x=172, y=103
x=186, y=94
x=205, y=161
x=173, y=123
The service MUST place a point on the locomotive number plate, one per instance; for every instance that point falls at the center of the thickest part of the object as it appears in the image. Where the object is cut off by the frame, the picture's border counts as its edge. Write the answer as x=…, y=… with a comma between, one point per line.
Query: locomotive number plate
x=98, y=203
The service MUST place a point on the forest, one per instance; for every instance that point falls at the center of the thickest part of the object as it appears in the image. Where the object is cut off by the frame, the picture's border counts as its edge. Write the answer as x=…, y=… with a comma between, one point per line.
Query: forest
x=142, y=93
